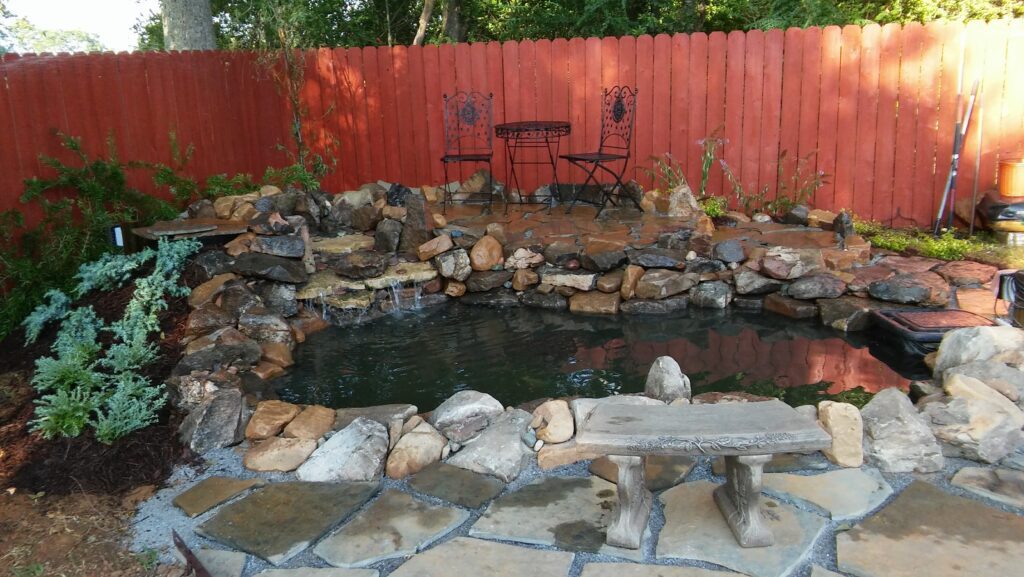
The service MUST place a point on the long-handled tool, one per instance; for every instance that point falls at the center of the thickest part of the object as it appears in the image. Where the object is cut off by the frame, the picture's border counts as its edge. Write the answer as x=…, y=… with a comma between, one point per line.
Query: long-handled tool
x=949, y=193
x=977, y=157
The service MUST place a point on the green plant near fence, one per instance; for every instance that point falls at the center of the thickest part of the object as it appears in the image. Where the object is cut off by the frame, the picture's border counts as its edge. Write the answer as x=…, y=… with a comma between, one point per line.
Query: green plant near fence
x=85, y=385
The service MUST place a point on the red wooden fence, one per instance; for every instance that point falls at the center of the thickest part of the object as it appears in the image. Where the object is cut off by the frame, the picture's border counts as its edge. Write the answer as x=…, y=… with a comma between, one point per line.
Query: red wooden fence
x=876, y=105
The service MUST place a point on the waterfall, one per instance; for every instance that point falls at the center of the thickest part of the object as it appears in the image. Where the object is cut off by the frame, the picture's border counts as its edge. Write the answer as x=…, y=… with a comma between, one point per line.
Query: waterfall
x=417, y=296
x=394, y=289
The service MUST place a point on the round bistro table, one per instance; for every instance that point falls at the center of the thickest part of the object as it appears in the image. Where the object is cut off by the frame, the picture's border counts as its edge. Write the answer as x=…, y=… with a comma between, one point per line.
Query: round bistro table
x=535, y=134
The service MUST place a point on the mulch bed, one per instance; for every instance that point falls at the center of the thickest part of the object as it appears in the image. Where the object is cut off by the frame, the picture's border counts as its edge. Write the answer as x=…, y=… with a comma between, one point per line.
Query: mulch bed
x=63, y=466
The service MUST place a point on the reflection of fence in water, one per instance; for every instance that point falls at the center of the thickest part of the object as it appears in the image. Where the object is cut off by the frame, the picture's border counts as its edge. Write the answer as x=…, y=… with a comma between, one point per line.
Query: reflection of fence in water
x=789, y=362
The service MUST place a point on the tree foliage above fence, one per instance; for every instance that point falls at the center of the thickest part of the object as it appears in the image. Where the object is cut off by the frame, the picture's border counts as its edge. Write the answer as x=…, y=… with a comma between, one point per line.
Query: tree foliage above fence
x=245, y=23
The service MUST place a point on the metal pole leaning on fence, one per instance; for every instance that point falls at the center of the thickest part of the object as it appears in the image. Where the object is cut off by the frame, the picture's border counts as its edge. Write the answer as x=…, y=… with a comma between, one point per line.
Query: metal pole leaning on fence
x=949, y=193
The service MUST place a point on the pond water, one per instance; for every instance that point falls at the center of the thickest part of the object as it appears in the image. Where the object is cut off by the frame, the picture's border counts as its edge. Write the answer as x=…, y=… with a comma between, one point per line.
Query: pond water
x=519, y=354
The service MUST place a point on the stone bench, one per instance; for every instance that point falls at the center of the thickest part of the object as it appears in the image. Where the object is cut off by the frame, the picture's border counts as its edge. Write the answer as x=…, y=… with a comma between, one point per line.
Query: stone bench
x=746, y=434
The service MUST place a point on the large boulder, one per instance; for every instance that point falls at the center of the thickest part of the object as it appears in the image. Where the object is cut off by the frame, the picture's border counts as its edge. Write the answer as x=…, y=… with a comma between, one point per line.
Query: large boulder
x=290, y=246
x=216, y=423
x=265, y=326
x=482, y=281
x=418, y=223
x=791, y=263
x=499, y=450
x=227, y=347
x=659, y=283
x=679, y=203
x=416, y=450
x=923, y=288
x=207, y=318
x=595, y=303
x=278, y=297
x=749, y=282
x=1007, y=380
x=962, y=346
x=355, y=453
x=666, y=381
x=553, y=422
x=463, y=415
x=896, y=438
x=278, y=454
x=270, y=419
x=387, y=236
x=360, y=264
x=975, y=421
x=965, y=273
x=486, y=254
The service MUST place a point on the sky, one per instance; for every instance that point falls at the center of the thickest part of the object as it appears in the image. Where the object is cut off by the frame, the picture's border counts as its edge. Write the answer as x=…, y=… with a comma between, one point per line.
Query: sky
x=110, y=20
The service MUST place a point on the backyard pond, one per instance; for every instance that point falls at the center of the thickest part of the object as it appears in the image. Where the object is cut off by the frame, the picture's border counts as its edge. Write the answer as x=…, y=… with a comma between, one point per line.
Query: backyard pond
x=519, y=354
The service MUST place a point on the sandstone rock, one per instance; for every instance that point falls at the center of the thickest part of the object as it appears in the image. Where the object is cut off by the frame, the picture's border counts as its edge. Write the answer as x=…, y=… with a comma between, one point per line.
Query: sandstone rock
x=416, y=450
x=463, y=415
x=482, y=281
x=387, y=236
x=523, y=279
x=661, y=283
x=434, y=247
x=666, y=381
x=498, y=451
x=264, y=326
x=278, y=454
x=486, y=254
x=816, y=286
x=359, y=264
x=270, y=419
x=355, y=453
x=680, y=204
x=792, y=308
x=976, y=422
x=312, y=423
x=714, y=294
x=454, y=288
x=961, y=346
x=579, y=280
x=897, y=439
x=749, y=282
x=630, y=277
x=610, y=282
x=965, y=273
x=209, y=290
x=404, y=273
x=924, y=288
x=215, y=423
x=553, y=422
x=843, y=422
x=1005, y=379
x=278, y=353
x=266, y=370
x=595, y=302
x=791, y=263
x=523, y=258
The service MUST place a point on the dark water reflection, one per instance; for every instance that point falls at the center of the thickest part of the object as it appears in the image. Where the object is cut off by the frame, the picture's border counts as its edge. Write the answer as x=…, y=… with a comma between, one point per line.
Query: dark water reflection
x=518, y=355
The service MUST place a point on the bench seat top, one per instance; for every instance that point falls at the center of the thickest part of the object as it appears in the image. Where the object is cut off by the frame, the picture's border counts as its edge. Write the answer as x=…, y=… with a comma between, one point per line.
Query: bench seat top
x=759, y=428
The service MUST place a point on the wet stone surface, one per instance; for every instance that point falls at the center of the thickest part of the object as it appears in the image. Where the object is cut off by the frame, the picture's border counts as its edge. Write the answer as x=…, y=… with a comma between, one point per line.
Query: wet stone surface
x=211, y=492
x=456, y=485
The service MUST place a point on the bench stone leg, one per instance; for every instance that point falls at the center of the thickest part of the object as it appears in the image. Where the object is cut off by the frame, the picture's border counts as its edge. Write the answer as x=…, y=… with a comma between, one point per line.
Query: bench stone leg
x=634, y=508
x=740, y=500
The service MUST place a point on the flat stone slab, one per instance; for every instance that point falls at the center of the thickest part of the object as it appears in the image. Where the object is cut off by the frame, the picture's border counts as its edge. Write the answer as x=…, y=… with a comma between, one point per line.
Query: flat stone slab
x=818, y=571
x=342, y=244
x=280, y=520
x=209, y=493
x=571, y=513
x=661, y=471
x=927, y=531
x=844, y=493
x=780, y=463
x=319, y=572
x=634, y=570
x=695, y=529
x=1003, y=485
x=465, y=556
x=219, y=563
x=395, y=525
x=456, y=485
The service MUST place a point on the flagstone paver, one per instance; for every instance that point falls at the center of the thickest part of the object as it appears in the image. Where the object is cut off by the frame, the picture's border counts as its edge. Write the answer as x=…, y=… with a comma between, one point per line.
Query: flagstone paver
x=209, y=493
x=217, y=562
x=661, y=471
x=476, y=557
x=1003, y=485
x=456, y=485
x=845, y=493
x=695, y=529
x=818, y=571
x=634, y=570
x=926, y=531
x=280, y=520
x=395, y=525
x=319, y=572
x=571, y=513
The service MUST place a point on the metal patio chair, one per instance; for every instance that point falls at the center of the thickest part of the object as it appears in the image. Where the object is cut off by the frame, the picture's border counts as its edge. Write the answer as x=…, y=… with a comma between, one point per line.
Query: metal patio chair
x=468, y=137
x=618, y=108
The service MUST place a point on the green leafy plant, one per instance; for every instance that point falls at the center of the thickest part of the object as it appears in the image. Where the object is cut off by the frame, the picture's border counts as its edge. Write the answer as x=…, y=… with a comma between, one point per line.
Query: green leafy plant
x=714, y=206
x=79, y=386
x=55, y=308
x=710, y=146
x=110, y=271
x=949, y=245
x=666, y=172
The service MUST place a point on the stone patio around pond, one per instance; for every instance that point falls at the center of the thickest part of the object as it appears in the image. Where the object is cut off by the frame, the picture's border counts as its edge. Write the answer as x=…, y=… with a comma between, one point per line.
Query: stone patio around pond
x=448, y=521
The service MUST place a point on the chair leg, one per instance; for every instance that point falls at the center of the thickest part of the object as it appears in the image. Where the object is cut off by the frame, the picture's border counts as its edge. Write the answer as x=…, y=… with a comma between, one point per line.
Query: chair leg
x=447, y=193
x=576, y=190
x=619, y=183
